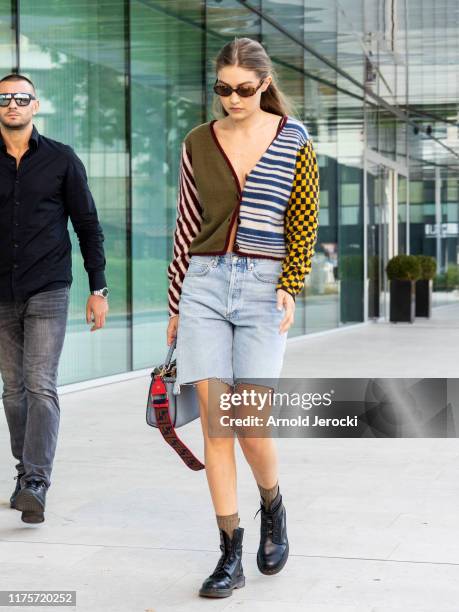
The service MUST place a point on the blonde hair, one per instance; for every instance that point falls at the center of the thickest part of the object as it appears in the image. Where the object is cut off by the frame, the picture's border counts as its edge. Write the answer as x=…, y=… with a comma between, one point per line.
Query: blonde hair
x=251, y=55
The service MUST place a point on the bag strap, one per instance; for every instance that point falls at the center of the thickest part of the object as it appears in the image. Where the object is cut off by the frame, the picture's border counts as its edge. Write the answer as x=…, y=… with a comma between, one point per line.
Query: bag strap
x=170, y=352
x=160, y=402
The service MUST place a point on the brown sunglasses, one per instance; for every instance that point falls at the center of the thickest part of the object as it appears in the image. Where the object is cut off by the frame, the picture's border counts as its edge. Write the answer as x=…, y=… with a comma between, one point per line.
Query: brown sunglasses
x=245, y=91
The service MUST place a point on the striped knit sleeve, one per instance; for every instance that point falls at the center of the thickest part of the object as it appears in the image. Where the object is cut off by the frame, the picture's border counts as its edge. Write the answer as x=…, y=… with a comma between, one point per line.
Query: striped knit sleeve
x=301, y=222
x=188, y=225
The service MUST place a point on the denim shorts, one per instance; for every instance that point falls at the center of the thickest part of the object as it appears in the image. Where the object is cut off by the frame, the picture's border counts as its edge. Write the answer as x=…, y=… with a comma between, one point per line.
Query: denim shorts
x=229, y=324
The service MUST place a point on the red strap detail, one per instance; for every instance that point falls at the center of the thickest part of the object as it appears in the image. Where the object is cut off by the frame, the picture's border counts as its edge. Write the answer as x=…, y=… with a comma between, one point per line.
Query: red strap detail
x=160, y=401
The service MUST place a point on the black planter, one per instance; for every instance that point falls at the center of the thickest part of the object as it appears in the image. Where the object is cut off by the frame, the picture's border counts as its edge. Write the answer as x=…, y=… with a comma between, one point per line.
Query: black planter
x=424, y=297
x=402, y=301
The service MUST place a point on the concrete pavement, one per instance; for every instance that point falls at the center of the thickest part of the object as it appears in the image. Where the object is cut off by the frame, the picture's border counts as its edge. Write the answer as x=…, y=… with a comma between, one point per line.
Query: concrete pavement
x=372, y=523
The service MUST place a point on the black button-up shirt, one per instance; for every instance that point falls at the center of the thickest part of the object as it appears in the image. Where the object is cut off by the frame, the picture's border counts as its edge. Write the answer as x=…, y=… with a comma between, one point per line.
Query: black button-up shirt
x=36, y=199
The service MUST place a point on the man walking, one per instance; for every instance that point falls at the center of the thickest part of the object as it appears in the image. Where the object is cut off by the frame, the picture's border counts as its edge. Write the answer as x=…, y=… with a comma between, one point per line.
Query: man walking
x=42, y=184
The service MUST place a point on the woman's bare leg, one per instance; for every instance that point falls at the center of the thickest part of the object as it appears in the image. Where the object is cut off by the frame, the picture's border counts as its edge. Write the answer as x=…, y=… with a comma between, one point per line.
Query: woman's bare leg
x=260, y=452
x=261, y=455
x=220, y=465
x=219, y=456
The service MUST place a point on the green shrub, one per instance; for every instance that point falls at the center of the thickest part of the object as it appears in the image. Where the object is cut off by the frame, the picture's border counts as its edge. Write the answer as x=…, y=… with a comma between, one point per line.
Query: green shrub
x=452, y=276
x=448, y=280
x=403, y=267
x=428, y=266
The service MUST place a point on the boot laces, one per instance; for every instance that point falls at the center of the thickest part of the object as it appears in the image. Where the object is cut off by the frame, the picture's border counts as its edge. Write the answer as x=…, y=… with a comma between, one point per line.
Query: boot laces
x=266, y=520
x=226, y=556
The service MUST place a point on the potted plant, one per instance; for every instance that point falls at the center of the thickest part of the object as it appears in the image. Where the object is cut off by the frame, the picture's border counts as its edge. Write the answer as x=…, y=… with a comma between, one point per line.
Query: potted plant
x=424, y=285
x=403, y=272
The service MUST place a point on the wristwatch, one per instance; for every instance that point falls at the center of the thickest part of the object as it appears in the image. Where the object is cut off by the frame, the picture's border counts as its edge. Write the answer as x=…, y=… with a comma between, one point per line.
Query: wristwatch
x=102, y=292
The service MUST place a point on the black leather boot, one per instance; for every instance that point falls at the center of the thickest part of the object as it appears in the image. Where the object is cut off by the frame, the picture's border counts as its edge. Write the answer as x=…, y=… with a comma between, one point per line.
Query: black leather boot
x=16, y=490
x=273, y=550
x=31, y=499
x=228, y=574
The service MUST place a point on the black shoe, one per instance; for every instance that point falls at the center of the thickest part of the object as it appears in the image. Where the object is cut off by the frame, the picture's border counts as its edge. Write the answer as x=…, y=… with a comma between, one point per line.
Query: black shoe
x=228, y=574
x=273, y=550
x=31, y=500
x=16, y=490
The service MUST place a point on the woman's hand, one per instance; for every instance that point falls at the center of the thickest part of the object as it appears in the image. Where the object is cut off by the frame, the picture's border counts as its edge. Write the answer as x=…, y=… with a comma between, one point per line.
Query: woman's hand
x=284, y=299
x=172, y=329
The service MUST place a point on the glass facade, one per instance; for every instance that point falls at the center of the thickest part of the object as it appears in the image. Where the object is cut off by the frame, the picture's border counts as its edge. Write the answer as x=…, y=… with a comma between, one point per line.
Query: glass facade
x=75, y=53
x=122, y=82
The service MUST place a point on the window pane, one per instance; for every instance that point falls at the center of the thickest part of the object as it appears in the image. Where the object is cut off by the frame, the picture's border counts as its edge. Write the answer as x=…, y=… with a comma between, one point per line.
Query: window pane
x=7, y=46
x=75, y=53
x=166, y=102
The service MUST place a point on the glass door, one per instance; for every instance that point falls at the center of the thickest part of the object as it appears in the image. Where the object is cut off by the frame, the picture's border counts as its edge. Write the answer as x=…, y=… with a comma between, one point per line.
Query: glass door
x=381, y=235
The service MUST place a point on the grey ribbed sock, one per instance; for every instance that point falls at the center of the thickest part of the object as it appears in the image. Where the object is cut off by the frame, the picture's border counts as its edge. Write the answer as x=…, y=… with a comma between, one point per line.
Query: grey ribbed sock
x=268, y=495
x=228, y=522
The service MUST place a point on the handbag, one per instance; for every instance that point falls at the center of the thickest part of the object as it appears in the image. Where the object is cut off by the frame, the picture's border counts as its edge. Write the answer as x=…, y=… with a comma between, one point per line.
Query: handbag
x=167, y=410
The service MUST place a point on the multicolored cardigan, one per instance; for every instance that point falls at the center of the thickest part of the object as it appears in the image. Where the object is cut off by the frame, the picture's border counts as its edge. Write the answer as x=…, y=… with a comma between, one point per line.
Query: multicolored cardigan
x=277, y=211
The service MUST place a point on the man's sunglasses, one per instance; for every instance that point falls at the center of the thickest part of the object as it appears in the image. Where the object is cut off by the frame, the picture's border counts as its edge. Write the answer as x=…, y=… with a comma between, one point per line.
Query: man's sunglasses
x=21, y=99
x=245, y=91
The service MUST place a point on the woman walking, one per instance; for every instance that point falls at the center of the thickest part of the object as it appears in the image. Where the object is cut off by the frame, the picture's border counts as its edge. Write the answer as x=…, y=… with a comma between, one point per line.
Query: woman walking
x=244, y=239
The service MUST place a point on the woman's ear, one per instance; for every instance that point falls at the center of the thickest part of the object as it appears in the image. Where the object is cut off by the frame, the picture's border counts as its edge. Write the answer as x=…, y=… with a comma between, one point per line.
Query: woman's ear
x=267, y=83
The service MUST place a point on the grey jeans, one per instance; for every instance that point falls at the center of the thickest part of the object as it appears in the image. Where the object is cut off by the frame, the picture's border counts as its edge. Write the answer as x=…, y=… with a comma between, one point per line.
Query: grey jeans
x=31, y=339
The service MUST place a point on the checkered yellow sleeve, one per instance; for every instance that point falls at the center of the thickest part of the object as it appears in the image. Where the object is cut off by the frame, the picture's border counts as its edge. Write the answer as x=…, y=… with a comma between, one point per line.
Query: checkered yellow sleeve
x=301, y=222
